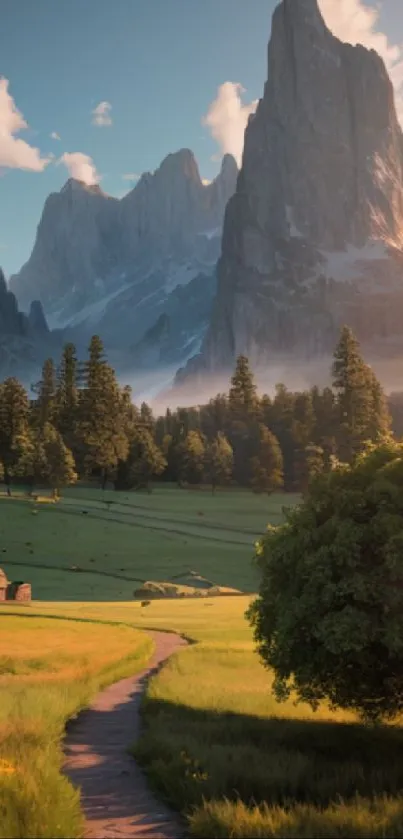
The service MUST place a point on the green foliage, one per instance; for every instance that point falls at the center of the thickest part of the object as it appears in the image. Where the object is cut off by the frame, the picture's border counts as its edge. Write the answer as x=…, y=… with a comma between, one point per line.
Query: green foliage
x=14, y=428
x=101, y=427
x=67, y=397
x=144, y=461
x=45, y=404
x=58, y=460
x=310, y=464
x=267, y=465
x=219, y=461
x=328, y=618
x=192, y=458
x=243, y=401
x=361, y=405
x=230, y=439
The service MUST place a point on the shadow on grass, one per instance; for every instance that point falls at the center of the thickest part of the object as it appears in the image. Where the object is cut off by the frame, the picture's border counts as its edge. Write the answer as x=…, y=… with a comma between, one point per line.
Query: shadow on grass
x=193, y=755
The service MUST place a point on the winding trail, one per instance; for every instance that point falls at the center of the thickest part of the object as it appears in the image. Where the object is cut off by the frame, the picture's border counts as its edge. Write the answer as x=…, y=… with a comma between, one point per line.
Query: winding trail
x=115, y=797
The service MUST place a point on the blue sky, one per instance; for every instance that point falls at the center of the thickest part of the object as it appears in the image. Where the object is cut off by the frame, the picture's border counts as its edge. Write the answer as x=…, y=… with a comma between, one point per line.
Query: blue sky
x=158, y=63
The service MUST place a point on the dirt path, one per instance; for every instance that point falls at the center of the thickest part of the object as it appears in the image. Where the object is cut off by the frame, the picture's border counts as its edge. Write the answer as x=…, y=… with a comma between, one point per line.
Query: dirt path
x=115, y=796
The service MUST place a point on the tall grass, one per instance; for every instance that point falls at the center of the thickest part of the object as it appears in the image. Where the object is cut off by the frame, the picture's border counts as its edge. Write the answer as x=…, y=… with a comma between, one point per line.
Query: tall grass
x=53, y=670
x=220, y=749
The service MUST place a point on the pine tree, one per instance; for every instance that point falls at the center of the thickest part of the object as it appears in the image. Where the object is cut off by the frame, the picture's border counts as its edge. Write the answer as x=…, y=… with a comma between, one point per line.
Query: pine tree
x=281, y=425
x=242, y=402
x=67, y=387
x=266, y=467
x=45, y=403
x=354, y=398
x=219, y=462
x=380, y=425
x=146, y=416
x=102, y=422
x=325, y=413
x=14, y=428
x=47, y=460
x=59, y=460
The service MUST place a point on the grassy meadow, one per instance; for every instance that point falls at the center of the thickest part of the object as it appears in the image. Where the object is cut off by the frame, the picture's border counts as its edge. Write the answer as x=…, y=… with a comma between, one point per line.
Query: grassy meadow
x=218, y=747
x=215, y=743
x=49, y=670
x=100, y=546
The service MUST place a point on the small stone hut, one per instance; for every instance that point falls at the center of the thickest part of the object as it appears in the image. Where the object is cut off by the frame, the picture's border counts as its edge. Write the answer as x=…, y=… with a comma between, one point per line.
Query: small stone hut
x=18, y=591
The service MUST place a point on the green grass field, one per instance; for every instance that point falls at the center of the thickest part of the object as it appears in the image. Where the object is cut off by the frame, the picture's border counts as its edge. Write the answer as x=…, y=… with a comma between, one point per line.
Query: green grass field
x=215, y=744
x=118, y=540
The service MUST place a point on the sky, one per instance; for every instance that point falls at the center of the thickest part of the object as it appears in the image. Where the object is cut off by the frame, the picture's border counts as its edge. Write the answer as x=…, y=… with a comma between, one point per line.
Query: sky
x=105, y=89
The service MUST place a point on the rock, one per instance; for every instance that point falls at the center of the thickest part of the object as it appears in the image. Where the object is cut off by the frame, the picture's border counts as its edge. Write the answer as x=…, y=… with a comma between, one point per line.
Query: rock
x=312, y=234
x=25, y=341
x=36, y=318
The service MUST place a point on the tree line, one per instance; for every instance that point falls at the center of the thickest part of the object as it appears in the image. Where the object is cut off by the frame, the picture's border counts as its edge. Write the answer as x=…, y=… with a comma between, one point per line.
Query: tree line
x=82, y=424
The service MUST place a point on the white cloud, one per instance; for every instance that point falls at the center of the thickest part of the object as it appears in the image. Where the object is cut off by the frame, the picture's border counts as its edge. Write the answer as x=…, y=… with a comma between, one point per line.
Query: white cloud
x=81, y=167
x=227, y=118
x=14, y=152
x=55, y=136
x=101, y=115
x=355, y=22
x=131, y=176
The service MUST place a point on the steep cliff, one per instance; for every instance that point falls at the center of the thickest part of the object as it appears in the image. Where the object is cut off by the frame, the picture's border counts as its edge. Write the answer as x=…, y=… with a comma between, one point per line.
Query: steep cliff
x=313, y=234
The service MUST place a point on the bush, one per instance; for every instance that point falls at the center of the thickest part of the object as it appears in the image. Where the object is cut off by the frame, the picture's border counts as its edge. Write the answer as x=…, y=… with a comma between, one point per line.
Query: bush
x=328, y=619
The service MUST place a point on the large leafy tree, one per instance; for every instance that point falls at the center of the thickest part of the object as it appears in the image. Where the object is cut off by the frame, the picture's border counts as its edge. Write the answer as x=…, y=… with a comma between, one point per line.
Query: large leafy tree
x=14, y=427
x=328, y=619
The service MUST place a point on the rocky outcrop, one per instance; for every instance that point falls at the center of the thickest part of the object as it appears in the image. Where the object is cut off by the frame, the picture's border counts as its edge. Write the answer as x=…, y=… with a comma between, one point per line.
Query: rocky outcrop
x=25, y=341
x=177, y=333
x=313, y=234
x=75, y=250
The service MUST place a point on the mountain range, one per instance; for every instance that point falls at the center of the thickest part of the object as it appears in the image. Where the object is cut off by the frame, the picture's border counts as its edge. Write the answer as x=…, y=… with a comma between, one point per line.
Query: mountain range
x=140, y=271
x=268, y=262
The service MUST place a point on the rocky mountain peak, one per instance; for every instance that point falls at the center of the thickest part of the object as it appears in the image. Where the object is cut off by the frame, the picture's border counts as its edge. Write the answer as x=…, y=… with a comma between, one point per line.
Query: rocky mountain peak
x=3, y=284
x=302, y=11
x=75, y=187
x=319, y=198
x=180, y=164
x=229, y=169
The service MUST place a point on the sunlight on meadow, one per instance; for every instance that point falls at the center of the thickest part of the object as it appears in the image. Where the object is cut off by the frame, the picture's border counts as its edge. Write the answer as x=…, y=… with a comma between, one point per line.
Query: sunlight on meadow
x=49, y=670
